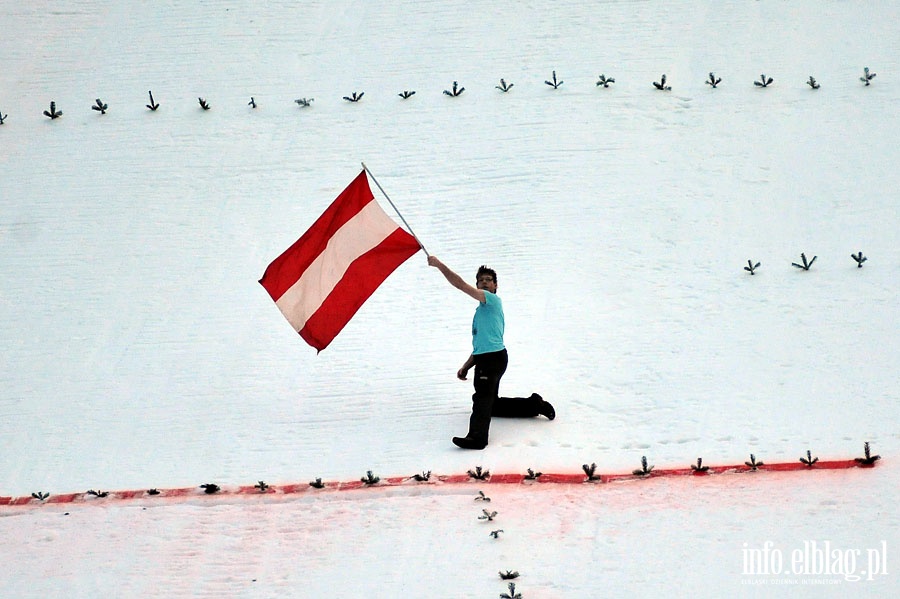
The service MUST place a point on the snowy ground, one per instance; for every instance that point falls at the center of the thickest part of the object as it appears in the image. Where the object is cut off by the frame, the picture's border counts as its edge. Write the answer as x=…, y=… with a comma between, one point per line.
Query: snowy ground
x=140, y=351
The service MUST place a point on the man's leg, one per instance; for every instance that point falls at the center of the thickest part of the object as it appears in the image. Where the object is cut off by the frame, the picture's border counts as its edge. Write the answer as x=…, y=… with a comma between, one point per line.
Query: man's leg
x=486, y=385
x=518, y=407
x=489, y=369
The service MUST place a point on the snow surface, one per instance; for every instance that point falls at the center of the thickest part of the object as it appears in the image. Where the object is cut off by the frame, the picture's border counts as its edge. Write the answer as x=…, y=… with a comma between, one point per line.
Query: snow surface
x=139, y=350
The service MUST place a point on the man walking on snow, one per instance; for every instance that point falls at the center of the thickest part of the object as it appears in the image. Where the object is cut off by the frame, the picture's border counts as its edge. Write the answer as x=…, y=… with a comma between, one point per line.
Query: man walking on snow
x=490, y=359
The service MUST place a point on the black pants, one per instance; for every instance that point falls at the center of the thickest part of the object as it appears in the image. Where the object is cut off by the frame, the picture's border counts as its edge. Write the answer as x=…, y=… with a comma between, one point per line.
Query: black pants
x=486, y=400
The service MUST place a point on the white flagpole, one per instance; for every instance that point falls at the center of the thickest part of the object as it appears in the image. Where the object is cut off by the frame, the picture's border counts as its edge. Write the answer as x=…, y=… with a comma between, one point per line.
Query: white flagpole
x=411, y=232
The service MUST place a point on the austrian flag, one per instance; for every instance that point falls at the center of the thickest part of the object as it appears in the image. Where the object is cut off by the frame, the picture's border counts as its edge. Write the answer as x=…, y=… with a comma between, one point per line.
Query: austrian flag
x=325, y=277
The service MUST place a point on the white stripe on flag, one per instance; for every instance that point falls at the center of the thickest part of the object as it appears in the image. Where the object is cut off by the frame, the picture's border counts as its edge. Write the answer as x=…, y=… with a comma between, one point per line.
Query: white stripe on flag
x=368, y=228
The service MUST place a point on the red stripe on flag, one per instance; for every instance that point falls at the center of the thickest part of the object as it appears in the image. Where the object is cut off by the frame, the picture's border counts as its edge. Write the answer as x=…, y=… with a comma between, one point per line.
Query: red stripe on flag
x=321, y=281
x=362, y=278
x=287, y=268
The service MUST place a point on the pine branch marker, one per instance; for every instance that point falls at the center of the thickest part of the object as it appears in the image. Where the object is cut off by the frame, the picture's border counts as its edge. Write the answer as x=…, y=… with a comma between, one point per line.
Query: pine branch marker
x=713, y=81
x=644, y=469
x=512, y=592
x=424, y=477
x=152, y=105
x=812, y=83
x=262, y=486
x=508, y=575
x=3, y=117
x=252, y=102
x=751, y=268
x=532, y=475
x=504, y=87
x=496, y=533
x=753, y=464
x=809, y=460
x=369, y=478
x=488, y=516
x=455, y=91
x=406, y=94
x=661, y=85
x=317, y=484
x=806, y=265
x=590, y=472
x=699, y=468
x=53, y=113
x=304, y=102
x=483, y=497
x=869, y=459
x=40, y=495
x=479, y=474
x=554, y=83
x=859, y=259
x=210, y=488
x=867, y=76
x=763, y=81
x=99, y=106
x=605, y=81
x=204, y=104
x=355, y=96
x=101, y=494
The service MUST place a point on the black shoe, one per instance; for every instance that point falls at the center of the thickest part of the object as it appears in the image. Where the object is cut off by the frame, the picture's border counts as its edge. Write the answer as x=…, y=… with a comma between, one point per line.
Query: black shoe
x=468, y=443
x=545, y=408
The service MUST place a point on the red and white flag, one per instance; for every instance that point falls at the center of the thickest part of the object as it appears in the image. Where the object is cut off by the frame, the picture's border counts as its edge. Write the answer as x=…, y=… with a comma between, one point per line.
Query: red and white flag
x=325, y=276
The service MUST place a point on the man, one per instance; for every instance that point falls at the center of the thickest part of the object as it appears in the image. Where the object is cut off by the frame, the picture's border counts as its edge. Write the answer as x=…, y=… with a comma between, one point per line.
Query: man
x=489, y=358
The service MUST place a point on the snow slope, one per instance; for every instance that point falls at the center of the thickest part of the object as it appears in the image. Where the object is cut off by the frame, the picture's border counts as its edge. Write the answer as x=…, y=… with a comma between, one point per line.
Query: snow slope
x=141, y=352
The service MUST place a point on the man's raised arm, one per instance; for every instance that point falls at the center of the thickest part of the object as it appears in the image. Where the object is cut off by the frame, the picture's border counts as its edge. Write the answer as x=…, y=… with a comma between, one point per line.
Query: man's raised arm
x=456, y=280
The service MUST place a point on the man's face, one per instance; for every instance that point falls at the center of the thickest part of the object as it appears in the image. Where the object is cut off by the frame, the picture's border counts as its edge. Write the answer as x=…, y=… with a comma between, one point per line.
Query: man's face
x=486, y=282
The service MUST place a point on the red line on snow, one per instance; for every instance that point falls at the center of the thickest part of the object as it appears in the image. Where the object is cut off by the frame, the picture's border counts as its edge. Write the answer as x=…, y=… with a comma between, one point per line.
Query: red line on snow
x=452, y=479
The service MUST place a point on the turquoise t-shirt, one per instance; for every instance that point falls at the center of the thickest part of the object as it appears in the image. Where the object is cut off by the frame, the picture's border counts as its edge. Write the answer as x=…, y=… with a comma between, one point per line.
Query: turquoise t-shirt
x=487, y=325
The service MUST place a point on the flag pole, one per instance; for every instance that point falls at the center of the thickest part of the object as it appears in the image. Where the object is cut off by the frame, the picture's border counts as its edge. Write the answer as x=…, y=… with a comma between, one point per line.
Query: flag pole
x=365, y=168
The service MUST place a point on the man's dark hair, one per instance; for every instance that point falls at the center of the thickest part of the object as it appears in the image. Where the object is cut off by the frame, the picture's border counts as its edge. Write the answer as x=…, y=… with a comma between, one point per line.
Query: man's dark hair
x=484, y=270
